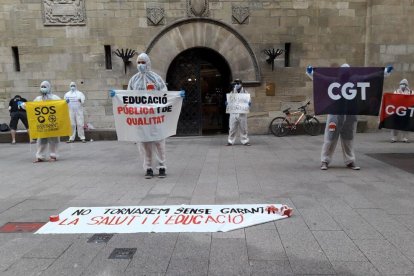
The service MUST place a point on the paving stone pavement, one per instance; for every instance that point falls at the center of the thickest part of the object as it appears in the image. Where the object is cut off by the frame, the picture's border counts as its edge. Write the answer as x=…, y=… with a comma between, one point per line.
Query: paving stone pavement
x=345, y=222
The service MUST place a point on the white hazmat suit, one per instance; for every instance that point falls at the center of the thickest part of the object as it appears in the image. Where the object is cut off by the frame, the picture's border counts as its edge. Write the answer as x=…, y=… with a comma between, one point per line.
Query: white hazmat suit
x=140, y=81
x=53, y=142
x=238, y=123
x=343, y=126
x=76, y=99
x=405, y=90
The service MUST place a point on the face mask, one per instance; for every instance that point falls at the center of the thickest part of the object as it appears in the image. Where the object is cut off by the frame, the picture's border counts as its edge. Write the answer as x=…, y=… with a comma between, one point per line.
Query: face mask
x=402, y=86
x=238, y=86
x=44, y=90
x=142, y=67
x=73, y=88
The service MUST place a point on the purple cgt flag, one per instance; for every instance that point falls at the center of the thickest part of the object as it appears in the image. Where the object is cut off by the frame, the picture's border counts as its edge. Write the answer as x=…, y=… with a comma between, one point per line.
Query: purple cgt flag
x=348, y=90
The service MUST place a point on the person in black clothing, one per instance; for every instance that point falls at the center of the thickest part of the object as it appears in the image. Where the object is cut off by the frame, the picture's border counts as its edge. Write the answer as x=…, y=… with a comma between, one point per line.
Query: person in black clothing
x=17, y=112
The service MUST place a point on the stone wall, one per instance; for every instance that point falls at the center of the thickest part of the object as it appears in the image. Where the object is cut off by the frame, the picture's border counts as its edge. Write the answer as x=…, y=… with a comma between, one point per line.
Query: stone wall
x=321, y=33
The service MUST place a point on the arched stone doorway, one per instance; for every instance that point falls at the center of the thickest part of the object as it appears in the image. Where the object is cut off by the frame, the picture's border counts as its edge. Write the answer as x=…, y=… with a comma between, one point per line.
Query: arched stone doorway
x=205, y=76
x=209, y=33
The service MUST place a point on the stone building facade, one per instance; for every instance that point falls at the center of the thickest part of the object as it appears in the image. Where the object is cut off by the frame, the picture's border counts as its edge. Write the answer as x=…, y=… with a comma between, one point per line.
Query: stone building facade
x=77, y=40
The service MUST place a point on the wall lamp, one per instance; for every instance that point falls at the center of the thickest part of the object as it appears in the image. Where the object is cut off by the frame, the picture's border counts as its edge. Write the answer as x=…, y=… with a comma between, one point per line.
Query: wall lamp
x=272, y=54
x=125, y=55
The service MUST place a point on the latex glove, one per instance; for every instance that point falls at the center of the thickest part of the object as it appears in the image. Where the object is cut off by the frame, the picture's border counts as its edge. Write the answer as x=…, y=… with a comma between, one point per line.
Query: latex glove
x=389, y=68
x=19, y=104
x=250, y=103
x=309, y=70
x=67, y=100
x=182, y=94
x=225, y=103
x=112, y=93
x=80, y=100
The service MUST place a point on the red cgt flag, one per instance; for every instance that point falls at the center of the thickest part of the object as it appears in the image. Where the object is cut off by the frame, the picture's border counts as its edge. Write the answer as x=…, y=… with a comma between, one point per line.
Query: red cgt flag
x=397, y=112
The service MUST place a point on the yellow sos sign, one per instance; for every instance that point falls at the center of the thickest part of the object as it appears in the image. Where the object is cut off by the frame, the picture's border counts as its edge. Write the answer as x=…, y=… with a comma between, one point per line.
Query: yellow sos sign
x=48, y=119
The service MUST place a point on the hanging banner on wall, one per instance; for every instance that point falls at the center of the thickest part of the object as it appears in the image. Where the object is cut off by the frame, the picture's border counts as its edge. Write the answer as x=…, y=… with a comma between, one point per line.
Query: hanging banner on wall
x=348, y=90
x=397, y=112
x=48, y=119
x=174, y=218
x=145, y=116
x=238, y=103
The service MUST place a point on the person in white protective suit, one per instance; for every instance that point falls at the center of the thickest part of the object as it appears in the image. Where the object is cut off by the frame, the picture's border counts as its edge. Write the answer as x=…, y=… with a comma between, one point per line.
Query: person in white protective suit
x=340, y=126
x=405, y=90
x=42, y=143
x=145, y=79
x=238, y=121
x=76, y=99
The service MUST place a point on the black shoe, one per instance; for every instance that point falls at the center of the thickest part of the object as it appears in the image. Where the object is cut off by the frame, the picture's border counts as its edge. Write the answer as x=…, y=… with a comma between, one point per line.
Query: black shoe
x=353, y=166
x=247, y=144
x=162, y=173
x=149, y=174
x=229, y=144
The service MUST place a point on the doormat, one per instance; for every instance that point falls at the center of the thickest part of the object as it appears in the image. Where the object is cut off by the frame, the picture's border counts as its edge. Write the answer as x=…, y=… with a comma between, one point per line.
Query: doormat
x=21, y=227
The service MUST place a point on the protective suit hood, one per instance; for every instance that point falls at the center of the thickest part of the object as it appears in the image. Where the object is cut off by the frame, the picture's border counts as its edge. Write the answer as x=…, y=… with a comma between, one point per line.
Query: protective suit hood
x=145, y=57
x=140, y=80
x=404, y=81
x=47, y=85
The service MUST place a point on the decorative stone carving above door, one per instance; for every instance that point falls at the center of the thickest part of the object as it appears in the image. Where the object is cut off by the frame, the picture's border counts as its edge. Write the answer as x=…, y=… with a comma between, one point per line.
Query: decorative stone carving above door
x=197, y=8
x=155, y=16
x=63, y=12
x=240, y=15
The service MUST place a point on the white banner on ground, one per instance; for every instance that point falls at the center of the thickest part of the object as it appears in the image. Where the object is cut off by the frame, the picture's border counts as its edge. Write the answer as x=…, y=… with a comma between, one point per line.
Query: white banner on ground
x=175, y=218
x=143, y=116
x=238, y=103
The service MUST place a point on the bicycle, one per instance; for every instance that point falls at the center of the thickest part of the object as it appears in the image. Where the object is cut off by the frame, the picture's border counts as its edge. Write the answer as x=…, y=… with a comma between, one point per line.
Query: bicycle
x=282, y=126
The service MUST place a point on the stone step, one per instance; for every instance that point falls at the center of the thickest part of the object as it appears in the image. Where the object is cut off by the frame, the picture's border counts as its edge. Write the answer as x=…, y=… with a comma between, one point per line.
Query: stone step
x=95, y=134
x=362, y=126
x=110, y=134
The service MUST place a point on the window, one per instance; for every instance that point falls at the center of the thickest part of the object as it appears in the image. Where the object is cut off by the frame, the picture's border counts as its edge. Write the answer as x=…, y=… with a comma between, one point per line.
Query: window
x=15, y=51
x=108, y=57
x=287, y=54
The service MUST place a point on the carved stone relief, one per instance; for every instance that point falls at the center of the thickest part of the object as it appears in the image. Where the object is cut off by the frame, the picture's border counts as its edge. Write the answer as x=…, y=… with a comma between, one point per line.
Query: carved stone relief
x=64, y=12
x=155, y=16
x=198, y=8
x=240, y=15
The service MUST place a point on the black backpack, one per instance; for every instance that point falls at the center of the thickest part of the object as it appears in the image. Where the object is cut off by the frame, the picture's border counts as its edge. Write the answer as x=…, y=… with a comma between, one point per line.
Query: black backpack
x=4, y=127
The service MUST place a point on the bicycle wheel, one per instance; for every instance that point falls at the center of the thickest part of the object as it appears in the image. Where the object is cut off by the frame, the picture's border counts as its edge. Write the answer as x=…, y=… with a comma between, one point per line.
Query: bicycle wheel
x=312, y=126
x=279, y=126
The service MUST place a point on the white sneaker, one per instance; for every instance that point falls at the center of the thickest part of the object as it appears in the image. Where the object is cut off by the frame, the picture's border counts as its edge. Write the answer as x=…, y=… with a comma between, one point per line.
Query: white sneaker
x=324, y=166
